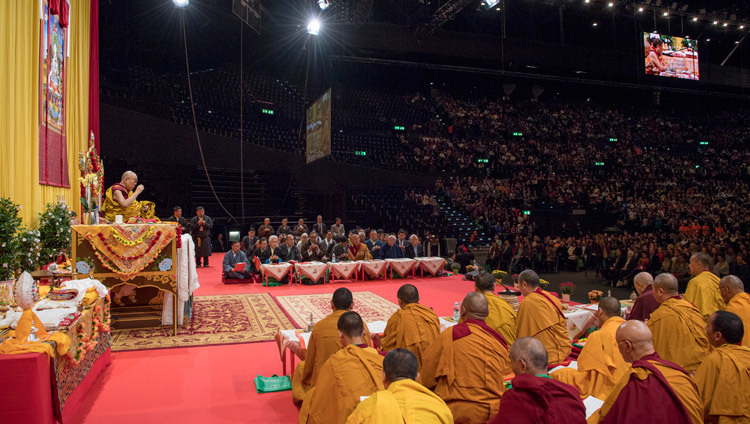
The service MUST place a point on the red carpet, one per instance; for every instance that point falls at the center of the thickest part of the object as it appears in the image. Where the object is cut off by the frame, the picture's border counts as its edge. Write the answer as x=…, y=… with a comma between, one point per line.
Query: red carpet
x=214, y=384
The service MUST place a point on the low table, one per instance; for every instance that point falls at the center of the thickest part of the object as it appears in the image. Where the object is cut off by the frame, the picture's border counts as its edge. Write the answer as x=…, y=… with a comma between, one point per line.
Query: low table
x=402, y=266
x=432, y=264
x=277, y=271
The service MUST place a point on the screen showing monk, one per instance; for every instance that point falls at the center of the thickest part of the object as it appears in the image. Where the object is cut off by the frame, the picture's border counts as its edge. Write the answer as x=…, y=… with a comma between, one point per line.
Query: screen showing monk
x=319, y=128
x=670, y=56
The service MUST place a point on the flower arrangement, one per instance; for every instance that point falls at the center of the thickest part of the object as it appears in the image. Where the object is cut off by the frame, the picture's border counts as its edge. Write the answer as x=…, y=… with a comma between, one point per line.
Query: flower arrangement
x=544, y=284
x=27, y=243
x=499, y=275
x=455, y=266
x=567, y=287
x=595, y=295
x=8, y=243
x=54, y=231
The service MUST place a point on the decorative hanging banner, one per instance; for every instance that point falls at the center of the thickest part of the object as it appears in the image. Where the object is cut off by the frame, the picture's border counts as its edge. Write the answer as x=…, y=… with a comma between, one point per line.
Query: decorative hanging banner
x=53, y=54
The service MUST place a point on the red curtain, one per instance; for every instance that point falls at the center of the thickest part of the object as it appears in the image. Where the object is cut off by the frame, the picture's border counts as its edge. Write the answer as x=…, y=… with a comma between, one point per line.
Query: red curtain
x=94, y=73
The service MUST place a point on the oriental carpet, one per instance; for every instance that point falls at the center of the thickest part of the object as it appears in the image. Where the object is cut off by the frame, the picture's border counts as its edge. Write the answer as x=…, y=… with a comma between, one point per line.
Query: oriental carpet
x=367, y=304
x=223, y=319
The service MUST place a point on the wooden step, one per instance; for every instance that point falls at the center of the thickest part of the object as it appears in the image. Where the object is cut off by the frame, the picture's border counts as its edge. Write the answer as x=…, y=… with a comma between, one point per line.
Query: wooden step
x=135, y=317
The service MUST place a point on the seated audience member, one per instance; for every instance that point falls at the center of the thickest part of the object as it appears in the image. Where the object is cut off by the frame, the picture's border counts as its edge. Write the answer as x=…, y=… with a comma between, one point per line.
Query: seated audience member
x=337, y=229
x=724, y=376
x=738, y=302
x=351, y=372
x=289, y=251
x=646, y=303
x=391, y=250
x=403, y=400
x=300, y=228
x=600, y=364
x=413, y=326
x=402, y=241
x=272, y=253
x=534, y=397
x=358, y=251
x=249, y=243
x=466, y=364
x=414, y=249
x=304, y=239
x=501, y=316
x=464, y=258
x=450, y=261
x=677, y=326
x=219, y=243
x=703, y=289
x=326, y=245
x=234, y=256
x=311, y=251
x=260, y=247
x=540, y=315
x=265, y=229
x=319, y=227
x=650, y=380
x=284, y=229
x=374, y=244
x=340, y=251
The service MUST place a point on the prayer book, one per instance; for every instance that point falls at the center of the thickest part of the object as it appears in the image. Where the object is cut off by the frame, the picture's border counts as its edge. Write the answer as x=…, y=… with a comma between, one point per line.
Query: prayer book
x=240, y=266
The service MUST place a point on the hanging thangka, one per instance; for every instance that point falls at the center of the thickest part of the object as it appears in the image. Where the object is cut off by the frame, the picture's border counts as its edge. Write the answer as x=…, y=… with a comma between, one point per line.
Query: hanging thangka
x=53, y=59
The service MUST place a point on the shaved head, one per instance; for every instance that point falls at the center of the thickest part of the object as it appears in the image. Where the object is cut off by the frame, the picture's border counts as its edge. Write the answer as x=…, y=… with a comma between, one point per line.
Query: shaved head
x=528, y=356
x=665, y=287
x=408, y=294
x=400, y=364
x=474, y=306
x=350, y=324
x=342, y=299
x=730, y=286
x=724, y=327
x=634, y=340
x=610, y=306
x=128, y=174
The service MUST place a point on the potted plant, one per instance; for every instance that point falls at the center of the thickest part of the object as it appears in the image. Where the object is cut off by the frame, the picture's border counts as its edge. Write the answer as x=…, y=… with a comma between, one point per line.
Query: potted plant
x=455, y=267
x=566, y=289
x=595, y=296
x=9, y=225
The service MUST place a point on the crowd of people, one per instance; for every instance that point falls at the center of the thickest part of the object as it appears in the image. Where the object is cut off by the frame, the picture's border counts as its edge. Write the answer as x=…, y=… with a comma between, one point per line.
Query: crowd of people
x=686, y=356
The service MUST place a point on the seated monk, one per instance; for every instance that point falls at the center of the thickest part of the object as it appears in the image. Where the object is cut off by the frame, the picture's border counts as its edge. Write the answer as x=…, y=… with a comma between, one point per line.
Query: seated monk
x=540, y=316
x=466, y=364
x=324, y=342
x=600, y=365
x=120, y=199
x=534, y=397
x=652, y=390
x=412, y=327
x=403, y=400
x=351, y=372
x=357, y=251
x=677, y=326
x=703, y=289
x=738, y=302
x=724, y=377
x=502, y=317
x=645, y=303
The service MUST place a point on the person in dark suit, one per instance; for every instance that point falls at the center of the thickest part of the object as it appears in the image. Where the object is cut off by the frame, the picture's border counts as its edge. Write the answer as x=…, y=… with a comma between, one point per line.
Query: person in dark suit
x=374, y=244
x=178, y=218
x=290, y=251
x=391, y=250
x=300, y=228
x=463, y=258
x=319, y=227
x=249, y=242
x=414, y=249
x=265, y=230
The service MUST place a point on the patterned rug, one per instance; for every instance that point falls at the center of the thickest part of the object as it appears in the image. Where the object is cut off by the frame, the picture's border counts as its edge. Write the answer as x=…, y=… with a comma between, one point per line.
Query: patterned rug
x=225, y=319
x=369, y=305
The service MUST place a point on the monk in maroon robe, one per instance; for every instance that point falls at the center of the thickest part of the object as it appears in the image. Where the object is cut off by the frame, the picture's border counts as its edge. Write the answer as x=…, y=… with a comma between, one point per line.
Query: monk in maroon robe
x=646, y=302
x=534, y=397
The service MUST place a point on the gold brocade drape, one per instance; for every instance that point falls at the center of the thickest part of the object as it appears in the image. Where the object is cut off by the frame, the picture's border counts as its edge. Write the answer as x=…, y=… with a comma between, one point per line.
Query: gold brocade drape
x=19, y=105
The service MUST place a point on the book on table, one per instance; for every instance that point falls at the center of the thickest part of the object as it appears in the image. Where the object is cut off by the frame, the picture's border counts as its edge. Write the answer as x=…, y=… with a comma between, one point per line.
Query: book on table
x=240, y=266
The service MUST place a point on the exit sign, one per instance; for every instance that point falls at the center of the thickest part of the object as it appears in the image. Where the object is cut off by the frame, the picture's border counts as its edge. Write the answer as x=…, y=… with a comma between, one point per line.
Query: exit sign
x=267, y=111
x=360, y=153
x=517, y=134
x=527, y=212
x=704, y=143
x=612, y=139
x=399, y=128
x=483, y=160
x=599, y=163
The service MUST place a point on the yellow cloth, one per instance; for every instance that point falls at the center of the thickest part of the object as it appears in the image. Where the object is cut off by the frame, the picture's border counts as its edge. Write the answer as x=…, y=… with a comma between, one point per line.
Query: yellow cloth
x=740, y=305
x=683, y=386
x=405, y=401
x=90, y=297
x=679, y=333
x=111, y=207
x=348, y=374
x=467, y=373
x=502, y=317
x=703, y=292
x=413, y=327
x=723, y=379
x=600, y=364
x=19, y=105
x=363, y=253
x=19, y=344
x=324, y=342
x=538, y=318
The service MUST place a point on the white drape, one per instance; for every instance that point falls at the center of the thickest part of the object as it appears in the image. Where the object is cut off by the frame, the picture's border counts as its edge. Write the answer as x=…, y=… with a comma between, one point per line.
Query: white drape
x=187, y=282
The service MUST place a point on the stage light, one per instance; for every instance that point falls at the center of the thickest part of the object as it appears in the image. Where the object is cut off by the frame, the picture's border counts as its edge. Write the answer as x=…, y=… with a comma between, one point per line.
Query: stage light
x=708, y=39
x=725, y=24
x=640, y=9
x=489, y=4
x=313, y=27
x=610, y=4
x=595, y=24
x=716, y=22
x=666, y=13
x=180, y=3
x=742, y=26
x=323, y=4
x=695, y=19
x=586, y=1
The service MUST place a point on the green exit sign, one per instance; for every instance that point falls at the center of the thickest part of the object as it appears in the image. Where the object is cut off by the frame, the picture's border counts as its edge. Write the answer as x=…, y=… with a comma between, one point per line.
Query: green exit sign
x=399, y=128
x=267, y=111
x=704, y=143
x=527, y=212
x=360, y=153
x=483, y=160
x=612, y=139
x=599, y=163
x=517, y=134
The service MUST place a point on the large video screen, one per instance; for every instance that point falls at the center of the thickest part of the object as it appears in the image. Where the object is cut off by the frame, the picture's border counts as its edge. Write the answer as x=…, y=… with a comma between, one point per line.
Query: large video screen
x=670, y=56
x=319, y=128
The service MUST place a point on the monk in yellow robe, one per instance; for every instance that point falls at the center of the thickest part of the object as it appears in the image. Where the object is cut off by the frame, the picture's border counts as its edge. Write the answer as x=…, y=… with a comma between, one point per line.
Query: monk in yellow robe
x=120, y=199
x=652, y=390
x=466, y=364
x=703, y=289
x=353, y=371
x=677, y=326
x=724, y=377
x=738, y=302
x=403, y=400
x=324, y=342
x=412, y=327
x=502, y=317
x=540, y=316
x=600, y=364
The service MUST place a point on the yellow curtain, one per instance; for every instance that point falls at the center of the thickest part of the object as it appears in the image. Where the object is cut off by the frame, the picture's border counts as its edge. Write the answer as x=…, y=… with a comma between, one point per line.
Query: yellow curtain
x=19, y=105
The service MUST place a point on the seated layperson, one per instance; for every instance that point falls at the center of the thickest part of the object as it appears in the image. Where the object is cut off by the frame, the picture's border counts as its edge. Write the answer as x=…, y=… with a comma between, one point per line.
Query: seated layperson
x=178, y=218
x=272, y=253
x=391, y=249
x=374, y=244
x=231, y=259
x=284, y=229
x=414, y=249
x=311, y=251
x=289, y=251
x=300, y=228
x=265, y=230
x=319, y=227
x=120, y=199
x=249, y=242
